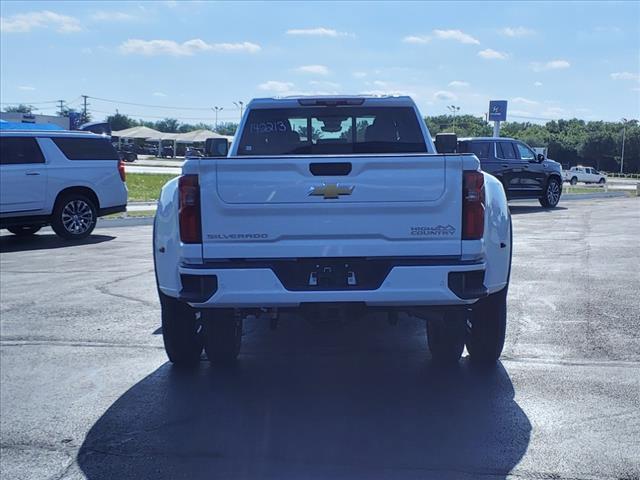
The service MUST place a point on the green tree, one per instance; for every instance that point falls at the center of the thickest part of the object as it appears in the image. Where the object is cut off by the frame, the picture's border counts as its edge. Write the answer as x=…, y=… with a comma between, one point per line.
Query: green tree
x=168, y=125
x=465, y=125
x=227, y=128
x=18, y=108
x=120, y=121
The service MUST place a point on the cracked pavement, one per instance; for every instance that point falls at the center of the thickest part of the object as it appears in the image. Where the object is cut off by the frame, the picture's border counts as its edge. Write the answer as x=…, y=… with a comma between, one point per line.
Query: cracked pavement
x=86, y=391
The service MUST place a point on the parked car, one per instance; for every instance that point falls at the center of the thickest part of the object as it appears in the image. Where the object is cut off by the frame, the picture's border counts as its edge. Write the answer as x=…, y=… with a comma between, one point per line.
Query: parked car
x=58, y=178
x=127, y=153
x=583, y=174
x=167, y=151
x=194, y=152
x=522, y=172
x=151, y=150
x=333, y=223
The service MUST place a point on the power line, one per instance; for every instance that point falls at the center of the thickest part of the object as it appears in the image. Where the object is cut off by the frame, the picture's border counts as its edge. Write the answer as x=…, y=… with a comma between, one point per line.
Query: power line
x=167, y=107
x=143, y=116
x=29, y=103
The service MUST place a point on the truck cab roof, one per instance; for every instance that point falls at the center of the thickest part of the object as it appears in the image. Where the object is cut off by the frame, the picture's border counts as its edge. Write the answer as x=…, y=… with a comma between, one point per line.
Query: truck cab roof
x=331, y=100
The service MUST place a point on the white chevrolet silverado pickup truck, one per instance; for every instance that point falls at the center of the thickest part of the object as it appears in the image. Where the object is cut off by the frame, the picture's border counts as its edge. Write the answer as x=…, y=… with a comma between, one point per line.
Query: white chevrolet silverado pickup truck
x=332, y=206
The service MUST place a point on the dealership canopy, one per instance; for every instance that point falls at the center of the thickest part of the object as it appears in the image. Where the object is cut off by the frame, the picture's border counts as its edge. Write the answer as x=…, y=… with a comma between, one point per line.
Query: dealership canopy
x=152, y=135
x=136, y=132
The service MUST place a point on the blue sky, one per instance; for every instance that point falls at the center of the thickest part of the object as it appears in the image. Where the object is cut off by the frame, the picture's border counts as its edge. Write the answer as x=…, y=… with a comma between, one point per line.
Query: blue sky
x=549, y=60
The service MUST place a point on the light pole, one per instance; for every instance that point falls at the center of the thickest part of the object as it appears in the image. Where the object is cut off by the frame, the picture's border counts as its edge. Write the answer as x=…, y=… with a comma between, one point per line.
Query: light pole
x=624, y=131
x=217, y=109
x=453, y=109
x=240, y=105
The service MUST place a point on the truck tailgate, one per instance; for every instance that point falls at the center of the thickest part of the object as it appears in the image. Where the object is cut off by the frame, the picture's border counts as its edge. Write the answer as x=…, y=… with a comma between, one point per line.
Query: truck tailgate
x=324, y=206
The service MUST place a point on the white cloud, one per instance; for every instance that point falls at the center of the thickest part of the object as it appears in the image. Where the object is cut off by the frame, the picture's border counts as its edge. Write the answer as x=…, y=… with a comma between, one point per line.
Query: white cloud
x=359, y=74
x=379, y=83
x=445, y=95
x=458, y=83
x=524, y=101
x=26, y=88
x=314, y=69
x=190, y=47
x=517, y=31
x=457, y=35
x=103, y=16
x=550, y=65
x=318, y=32
x=275, y=86
x=490, y=54
x=537, y=84
x=25, y=22
x=418, y=39
x=159, y=94
x=625, y=76
x=324, y=84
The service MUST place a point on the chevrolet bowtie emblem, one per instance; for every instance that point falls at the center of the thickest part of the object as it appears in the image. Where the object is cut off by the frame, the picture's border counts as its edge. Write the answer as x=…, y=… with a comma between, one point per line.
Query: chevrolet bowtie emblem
x=331, y=190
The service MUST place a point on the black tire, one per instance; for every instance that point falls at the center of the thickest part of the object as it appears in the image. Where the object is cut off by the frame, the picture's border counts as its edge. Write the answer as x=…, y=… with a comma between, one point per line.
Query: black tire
x=74, y=216
x=574, y=181
x=486, y=328
x=446, y=337
x=24, y=230
x=602, y=181
x=552, y=193
x=180, y=332
x=223, y=335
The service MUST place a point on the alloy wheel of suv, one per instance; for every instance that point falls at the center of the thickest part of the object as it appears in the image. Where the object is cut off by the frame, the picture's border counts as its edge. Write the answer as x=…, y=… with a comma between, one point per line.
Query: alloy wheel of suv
x=74, y=217
x=551, y=194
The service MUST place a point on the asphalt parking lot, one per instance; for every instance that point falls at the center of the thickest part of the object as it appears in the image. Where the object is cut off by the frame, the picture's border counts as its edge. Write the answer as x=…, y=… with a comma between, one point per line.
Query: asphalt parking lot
x=86, y=390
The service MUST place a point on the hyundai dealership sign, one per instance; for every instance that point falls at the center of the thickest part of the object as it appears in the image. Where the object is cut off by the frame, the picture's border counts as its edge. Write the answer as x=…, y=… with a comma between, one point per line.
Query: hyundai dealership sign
x=498, y=110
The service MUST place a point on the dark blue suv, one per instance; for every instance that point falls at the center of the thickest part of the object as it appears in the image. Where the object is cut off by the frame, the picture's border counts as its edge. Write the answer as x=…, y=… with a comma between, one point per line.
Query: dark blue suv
x=522, y=173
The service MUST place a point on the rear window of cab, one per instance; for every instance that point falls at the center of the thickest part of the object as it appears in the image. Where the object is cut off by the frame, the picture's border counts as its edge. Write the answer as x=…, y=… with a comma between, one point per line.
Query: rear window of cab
x=480, y=149
x=332, y=130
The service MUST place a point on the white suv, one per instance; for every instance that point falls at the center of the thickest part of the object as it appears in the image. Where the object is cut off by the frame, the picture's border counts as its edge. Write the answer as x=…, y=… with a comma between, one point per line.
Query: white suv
x=63, y=179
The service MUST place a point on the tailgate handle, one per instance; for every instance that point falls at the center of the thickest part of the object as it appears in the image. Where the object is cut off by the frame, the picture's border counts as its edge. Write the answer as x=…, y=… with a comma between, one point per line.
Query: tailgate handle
x=330, y=169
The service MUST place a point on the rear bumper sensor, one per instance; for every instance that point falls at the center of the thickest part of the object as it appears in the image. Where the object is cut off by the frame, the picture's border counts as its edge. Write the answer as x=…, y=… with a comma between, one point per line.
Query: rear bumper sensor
x=197, y=288
x=468, y=285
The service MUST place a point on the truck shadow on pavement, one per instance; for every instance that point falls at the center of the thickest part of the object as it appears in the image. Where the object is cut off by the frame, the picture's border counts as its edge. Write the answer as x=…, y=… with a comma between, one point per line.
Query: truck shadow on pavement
x=12, y=243
x=519, y=209
x=295, y=408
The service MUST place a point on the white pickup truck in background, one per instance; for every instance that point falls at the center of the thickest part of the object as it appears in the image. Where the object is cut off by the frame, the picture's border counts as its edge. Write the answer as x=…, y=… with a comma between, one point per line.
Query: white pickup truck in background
x=332, y=205
x=583, y=174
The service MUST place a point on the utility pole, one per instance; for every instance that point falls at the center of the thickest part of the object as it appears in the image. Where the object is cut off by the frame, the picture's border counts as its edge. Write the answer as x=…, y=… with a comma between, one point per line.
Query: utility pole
x=84, y=108
x=453, y=109
x=61, y=112
x=240, y=105
x=624, y=131
x=217, y=109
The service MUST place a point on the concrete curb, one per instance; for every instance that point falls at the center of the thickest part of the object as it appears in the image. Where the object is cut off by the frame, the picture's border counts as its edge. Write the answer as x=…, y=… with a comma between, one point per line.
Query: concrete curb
x=587, y=196
x=124, y=222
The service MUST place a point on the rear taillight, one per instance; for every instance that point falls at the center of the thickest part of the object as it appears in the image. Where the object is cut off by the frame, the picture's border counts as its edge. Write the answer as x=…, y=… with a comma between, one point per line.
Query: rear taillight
x=189, y=209
x=472, y=205
x=121, y=171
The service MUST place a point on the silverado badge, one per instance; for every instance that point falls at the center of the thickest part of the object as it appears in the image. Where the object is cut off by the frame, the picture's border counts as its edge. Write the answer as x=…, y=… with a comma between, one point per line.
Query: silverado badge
x=331, y=190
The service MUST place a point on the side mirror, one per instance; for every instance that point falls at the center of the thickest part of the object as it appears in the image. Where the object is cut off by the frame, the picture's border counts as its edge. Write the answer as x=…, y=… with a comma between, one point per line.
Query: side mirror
x=446, y=143
x=540, y=158
x=216, y=147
